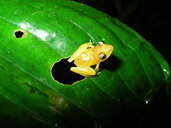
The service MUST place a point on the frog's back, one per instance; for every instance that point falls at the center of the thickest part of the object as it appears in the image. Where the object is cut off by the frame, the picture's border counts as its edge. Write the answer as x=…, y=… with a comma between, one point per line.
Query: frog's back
x=87, y=58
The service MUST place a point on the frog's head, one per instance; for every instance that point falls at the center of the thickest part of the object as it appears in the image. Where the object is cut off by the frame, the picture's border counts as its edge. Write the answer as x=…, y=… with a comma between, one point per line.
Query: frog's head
x=104, y=51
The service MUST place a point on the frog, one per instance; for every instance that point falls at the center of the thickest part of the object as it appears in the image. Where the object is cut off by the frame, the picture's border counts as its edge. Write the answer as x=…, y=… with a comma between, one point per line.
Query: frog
x=88, y=56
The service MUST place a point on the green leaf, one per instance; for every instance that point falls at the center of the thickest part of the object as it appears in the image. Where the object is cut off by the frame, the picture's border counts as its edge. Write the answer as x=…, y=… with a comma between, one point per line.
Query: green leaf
x=37, y=34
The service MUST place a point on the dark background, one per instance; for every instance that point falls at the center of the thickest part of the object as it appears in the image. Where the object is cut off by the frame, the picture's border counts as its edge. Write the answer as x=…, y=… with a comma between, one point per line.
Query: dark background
x=150, y=19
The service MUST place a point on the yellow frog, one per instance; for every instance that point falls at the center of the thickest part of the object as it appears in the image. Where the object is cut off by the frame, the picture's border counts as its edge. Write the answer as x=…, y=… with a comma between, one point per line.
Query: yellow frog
x=88, y=55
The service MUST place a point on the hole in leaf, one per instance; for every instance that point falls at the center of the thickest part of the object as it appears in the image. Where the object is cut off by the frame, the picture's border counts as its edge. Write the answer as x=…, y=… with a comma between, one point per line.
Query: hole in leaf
x=61, y=72
x=19, y=34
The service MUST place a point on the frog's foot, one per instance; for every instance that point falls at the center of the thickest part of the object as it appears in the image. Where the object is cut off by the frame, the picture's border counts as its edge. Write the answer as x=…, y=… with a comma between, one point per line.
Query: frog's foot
x=84, y=71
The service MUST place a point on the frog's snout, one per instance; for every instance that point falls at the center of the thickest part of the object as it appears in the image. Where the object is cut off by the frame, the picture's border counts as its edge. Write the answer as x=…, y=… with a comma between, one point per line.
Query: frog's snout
x=109, y=50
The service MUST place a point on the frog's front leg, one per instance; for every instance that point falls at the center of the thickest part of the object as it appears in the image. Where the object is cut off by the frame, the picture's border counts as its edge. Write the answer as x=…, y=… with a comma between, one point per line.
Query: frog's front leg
x=97, y=67
x=83, y=70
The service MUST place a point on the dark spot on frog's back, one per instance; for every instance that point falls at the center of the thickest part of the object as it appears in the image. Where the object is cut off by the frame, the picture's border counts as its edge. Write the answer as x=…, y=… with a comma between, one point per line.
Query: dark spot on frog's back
x=112, y=63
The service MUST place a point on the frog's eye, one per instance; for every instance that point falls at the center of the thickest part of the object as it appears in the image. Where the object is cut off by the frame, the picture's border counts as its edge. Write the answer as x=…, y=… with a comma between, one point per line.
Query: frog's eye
x=102, y=56
x=101, y=43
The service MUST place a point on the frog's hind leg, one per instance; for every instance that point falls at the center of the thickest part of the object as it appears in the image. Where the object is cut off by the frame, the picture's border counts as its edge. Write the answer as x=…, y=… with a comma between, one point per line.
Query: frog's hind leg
x=84, y=71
